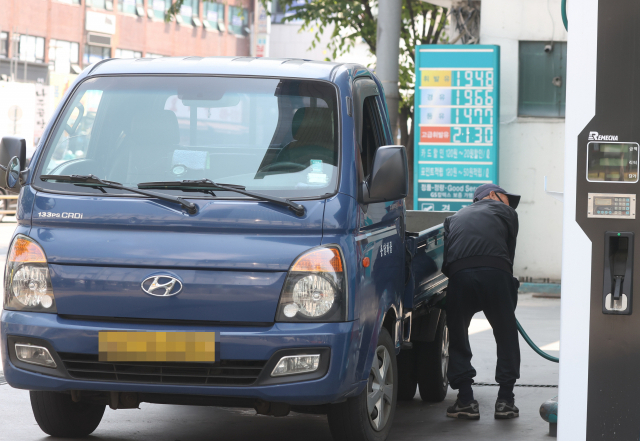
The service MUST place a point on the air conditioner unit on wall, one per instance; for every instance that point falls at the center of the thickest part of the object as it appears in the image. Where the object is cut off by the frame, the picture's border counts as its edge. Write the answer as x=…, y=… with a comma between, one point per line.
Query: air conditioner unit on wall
x=99, y=39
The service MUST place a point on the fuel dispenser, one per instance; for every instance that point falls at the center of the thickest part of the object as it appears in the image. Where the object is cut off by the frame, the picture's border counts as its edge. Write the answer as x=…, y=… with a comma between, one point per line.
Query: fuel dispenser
x=599, y=394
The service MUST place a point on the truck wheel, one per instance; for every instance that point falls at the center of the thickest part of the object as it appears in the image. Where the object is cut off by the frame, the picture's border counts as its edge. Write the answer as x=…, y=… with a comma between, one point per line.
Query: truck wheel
x=57, y=415
x=433, y=363
x=407, y=379
x=368, y=417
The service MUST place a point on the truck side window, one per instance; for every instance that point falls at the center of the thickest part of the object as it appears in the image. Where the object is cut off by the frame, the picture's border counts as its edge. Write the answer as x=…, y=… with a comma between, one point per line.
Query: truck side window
x=371, y=133
x=72, y=142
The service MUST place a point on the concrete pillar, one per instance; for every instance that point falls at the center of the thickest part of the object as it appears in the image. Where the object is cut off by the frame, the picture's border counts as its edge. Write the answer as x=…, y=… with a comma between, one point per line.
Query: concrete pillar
x=388, y=53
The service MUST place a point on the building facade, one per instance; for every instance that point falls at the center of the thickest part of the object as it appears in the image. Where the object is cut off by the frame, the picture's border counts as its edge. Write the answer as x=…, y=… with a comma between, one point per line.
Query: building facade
x=288, y=40
x=64, y=36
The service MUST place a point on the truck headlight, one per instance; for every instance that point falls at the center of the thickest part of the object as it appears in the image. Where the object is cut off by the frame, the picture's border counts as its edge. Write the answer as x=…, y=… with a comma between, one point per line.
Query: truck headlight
x=315, y=288
x=27, y=284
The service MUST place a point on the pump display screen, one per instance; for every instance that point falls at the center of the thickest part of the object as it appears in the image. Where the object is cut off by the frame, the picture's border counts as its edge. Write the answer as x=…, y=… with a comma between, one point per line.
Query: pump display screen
x=603, y=202
x=612, y=162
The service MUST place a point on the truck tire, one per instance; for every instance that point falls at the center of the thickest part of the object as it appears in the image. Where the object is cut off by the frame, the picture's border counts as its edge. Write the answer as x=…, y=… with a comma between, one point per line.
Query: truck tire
x=407, y=379
x=57, y=415
x=433, y=363
x=368, y=417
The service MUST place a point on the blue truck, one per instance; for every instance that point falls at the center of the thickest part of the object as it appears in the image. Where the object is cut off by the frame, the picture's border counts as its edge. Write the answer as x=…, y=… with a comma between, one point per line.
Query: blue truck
x=221, y=231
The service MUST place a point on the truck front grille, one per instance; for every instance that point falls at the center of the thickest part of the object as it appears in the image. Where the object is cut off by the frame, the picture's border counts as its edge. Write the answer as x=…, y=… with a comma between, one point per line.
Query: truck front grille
x=224, y=373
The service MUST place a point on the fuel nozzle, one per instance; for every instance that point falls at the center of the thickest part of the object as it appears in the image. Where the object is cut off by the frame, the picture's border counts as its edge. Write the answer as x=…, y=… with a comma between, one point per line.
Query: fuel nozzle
x=617, y=288
x=618, y=273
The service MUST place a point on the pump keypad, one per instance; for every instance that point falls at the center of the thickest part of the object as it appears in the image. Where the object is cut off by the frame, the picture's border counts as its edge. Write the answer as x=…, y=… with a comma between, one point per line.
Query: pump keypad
x=616, y=206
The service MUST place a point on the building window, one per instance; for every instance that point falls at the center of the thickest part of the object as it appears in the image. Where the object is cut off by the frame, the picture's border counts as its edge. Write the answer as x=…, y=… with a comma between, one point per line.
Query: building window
x=125, y=53
x=159, y=8
x=542, y=86
x=280, y=11
x=150, y=55
x=189, y=12
x=31, y=48
x=131, y=7
x=64, y=56
x=69, y=2
x=4, y=44
x=214, y=16
x=101, y=4
x=238, y=20
x=93, y=54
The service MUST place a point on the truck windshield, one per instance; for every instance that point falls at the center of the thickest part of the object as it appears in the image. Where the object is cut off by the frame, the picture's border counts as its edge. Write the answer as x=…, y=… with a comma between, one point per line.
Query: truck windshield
x=274, y=136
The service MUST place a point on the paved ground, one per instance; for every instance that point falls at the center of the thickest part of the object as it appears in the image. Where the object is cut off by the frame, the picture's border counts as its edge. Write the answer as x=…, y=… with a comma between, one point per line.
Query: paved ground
x=414, y=420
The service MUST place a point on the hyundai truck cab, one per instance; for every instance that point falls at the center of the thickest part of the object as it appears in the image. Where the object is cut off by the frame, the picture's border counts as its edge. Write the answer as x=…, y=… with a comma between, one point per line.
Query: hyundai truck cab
x=218, y=231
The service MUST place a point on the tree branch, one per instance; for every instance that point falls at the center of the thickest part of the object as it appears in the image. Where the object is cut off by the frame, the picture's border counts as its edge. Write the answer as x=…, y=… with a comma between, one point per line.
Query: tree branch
x=367, y=8
x=432, y=23
x=443, y=20
x=424, y=25
x=412, y=18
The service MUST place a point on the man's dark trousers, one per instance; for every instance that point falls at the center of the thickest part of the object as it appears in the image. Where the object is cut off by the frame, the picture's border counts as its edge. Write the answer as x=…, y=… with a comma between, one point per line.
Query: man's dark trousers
x=494, y=292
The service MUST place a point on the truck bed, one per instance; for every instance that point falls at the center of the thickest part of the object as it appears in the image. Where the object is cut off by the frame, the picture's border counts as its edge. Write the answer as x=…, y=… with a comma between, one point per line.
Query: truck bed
x=419, y=222
x=425, y=248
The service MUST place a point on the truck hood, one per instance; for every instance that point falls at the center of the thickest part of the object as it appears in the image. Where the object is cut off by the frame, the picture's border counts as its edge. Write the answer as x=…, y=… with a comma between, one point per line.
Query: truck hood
x=231, y=258
x=136, y=232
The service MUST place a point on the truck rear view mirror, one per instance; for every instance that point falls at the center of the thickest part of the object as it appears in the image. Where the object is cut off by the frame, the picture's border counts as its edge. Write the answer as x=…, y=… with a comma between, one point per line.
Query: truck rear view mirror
x=227, y=100
x=389, y=176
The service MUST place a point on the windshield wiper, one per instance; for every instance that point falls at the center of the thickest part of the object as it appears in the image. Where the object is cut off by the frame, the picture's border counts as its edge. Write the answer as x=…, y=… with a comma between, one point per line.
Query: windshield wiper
x=94, y=181
x=208, y=185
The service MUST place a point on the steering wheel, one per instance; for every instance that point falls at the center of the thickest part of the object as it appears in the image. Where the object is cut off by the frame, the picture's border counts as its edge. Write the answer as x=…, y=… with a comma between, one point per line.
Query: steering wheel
x=289, y=167
x=61, y=167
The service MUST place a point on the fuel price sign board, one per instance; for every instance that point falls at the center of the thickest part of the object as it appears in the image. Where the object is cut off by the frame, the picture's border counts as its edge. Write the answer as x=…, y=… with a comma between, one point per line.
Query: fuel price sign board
x=457, y=118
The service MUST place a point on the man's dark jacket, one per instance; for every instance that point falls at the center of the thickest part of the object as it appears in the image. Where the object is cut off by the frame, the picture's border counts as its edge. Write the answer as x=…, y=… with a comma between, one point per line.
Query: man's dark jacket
x=480, y=235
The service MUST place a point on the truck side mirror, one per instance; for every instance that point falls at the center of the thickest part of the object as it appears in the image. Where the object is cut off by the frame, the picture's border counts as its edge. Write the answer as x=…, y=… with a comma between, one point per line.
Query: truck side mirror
x=389, y=180
x=13, y=160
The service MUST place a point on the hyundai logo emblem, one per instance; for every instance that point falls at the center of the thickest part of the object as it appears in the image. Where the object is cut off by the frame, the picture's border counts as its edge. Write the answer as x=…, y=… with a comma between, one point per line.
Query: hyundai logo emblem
x=161, y=286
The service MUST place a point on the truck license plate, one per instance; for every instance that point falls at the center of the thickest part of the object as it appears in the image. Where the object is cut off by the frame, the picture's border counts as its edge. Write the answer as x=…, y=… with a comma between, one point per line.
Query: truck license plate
x=115, y=346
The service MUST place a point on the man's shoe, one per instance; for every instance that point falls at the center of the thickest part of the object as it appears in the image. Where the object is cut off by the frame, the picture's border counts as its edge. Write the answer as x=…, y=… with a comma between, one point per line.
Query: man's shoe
x=469, y=411
x=506, y=410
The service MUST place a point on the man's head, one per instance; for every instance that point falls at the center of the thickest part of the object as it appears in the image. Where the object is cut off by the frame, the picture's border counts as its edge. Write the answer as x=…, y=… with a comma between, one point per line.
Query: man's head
x=496, y=193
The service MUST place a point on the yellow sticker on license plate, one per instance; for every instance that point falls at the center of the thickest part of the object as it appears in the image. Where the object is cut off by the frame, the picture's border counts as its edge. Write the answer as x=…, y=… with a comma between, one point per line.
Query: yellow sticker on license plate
x=117, y=346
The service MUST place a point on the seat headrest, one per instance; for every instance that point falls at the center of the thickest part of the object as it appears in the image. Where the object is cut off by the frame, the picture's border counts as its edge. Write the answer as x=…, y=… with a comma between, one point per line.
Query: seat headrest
x=158, y=127
x=312, y=125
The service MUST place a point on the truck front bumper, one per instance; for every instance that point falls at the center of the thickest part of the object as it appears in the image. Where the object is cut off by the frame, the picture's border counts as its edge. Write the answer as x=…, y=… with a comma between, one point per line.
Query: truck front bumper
x=338, y=341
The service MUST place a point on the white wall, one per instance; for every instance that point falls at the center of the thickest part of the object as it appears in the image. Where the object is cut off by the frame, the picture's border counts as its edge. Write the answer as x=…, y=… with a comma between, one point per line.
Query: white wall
x=530, y=148
x=286, y=41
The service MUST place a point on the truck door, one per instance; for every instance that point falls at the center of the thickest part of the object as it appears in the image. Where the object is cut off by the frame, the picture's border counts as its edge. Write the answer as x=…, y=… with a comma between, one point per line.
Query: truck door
x=380, y=225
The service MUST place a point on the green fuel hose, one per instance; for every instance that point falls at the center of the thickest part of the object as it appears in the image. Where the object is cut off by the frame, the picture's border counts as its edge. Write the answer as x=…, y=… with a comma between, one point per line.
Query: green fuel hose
x=533, y=346
x=530, y=342
x=563, y=11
